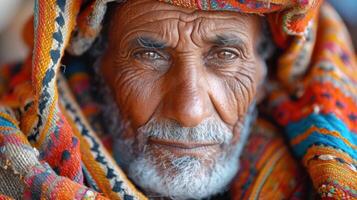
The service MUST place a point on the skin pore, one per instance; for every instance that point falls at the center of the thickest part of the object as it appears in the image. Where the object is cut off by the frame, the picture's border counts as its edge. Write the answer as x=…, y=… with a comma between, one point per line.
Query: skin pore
x=185, y=82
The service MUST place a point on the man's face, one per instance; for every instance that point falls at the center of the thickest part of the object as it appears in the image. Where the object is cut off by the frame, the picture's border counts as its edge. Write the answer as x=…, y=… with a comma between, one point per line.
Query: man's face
x=184, y=82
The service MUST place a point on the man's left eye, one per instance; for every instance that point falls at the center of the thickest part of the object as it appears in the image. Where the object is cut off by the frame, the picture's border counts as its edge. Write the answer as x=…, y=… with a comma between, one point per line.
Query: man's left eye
x=226, y=55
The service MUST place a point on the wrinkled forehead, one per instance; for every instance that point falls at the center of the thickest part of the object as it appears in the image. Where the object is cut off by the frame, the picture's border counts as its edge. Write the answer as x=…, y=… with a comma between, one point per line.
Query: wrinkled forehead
x=137, y=8
x=150, y=14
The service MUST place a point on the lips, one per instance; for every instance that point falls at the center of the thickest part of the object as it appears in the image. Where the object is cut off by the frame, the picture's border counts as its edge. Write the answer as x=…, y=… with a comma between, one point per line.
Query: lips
x=179, y=147
x=182, y=145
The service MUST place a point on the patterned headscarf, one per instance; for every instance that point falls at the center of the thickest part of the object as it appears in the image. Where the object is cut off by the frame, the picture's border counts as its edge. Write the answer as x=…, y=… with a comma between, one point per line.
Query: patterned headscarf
x=47, y=143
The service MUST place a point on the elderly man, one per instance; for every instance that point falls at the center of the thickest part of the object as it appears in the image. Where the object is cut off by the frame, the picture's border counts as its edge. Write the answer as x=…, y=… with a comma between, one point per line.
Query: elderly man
x=193, y=99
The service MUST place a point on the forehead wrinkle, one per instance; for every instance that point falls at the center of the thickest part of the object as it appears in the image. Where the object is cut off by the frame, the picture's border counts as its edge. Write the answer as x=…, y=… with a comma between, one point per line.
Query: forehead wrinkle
x=177, y=15
x=167, y=34
x=141, y=11
x=227, y=23
x=184, y=13
x=210, y=34
x=169, y=12
x=160, y=9
x=196, y=31
x=199, y=27
x=153, y=5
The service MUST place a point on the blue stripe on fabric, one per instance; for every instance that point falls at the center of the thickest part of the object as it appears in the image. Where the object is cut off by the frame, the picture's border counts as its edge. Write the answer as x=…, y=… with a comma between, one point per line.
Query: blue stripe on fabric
x=5, y=123
x=329, y=122
x=61, y=4
x=327, y=140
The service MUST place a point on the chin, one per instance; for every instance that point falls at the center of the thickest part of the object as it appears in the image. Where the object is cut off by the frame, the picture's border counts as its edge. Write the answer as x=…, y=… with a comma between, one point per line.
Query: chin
x=180, y=174
x=182, y=177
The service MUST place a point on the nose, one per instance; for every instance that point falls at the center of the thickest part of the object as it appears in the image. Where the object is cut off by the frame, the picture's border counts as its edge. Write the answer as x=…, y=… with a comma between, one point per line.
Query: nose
x=187, y=100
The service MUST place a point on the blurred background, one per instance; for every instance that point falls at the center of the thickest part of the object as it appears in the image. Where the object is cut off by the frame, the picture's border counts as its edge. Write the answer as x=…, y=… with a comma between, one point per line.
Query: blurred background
x=15, y=13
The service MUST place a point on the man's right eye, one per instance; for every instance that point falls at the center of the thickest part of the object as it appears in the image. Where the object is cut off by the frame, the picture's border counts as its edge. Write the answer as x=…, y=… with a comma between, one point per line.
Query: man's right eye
x=148, y=55
x=153, y=59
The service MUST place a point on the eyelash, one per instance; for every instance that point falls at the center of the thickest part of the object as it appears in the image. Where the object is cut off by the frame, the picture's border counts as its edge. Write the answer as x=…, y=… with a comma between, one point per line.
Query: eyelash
x=213, y=58
x=135, y=53
x=229, y=50
x=160, y=64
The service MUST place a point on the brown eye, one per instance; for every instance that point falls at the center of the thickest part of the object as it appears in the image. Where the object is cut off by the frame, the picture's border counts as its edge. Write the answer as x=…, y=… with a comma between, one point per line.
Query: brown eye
x=226, y=55
x=148, y=55
x=153, y=59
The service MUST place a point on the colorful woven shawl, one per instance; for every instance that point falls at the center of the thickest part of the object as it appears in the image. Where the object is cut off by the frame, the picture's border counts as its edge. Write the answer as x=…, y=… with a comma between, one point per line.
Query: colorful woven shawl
x=48, y=149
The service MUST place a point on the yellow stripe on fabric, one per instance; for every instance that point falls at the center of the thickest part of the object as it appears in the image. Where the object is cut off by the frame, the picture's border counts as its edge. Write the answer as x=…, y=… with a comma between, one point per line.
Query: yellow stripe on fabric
x=322, y=170
x=43, y=42
x=323, y=150
x=265, y=172
x=5, y=128
x=50, y=119
x=298, y=139
x=268, y=152
x=9, y=118
x=331, y=172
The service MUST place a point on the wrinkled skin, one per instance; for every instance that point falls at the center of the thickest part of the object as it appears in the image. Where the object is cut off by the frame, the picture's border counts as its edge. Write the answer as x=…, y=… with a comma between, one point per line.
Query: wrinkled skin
x=166, y=62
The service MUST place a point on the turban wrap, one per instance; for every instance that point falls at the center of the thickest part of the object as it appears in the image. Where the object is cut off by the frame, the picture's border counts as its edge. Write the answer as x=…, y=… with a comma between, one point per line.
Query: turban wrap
x=48, y=145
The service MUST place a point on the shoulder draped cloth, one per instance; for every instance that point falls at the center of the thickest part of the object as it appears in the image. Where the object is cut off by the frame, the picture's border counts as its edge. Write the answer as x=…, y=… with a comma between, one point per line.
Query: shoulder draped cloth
x=48, y=149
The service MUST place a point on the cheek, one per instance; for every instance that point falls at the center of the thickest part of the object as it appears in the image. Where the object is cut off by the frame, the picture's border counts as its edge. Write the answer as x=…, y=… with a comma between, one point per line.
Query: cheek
x=136, y=90
x=233, y=92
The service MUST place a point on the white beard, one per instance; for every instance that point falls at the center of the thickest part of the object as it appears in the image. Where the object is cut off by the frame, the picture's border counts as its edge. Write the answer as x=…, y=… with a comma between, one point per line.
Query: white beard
x=188, y=179
x=184, y=177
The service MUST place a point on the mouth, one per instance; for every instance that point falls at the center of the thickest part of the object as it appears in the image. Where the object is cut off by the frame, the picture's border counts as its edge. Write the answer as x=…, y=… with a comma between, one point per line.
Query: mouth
x=179, y=147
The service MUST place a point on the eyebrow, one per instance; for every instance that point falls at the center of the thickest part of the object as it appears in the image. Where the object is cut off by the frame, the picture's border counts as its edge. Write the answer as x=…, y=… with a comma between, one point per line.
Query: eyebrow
x=227, y=40
x=149, y=43
x=219, y=40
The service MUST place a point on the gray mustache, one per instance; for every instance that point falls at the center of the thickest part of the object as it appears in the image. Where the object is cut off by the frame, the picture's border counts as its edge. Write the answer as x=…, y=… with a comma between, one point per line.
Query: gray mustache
x=211, y=130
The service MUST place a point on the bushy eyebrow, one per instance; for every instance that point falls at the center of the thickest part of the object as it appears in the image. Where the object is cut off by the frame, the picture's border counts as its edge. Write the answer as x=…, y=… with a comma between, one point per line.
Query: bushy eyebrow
x=218, y=40
x=149, y=43
x=227, y=40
